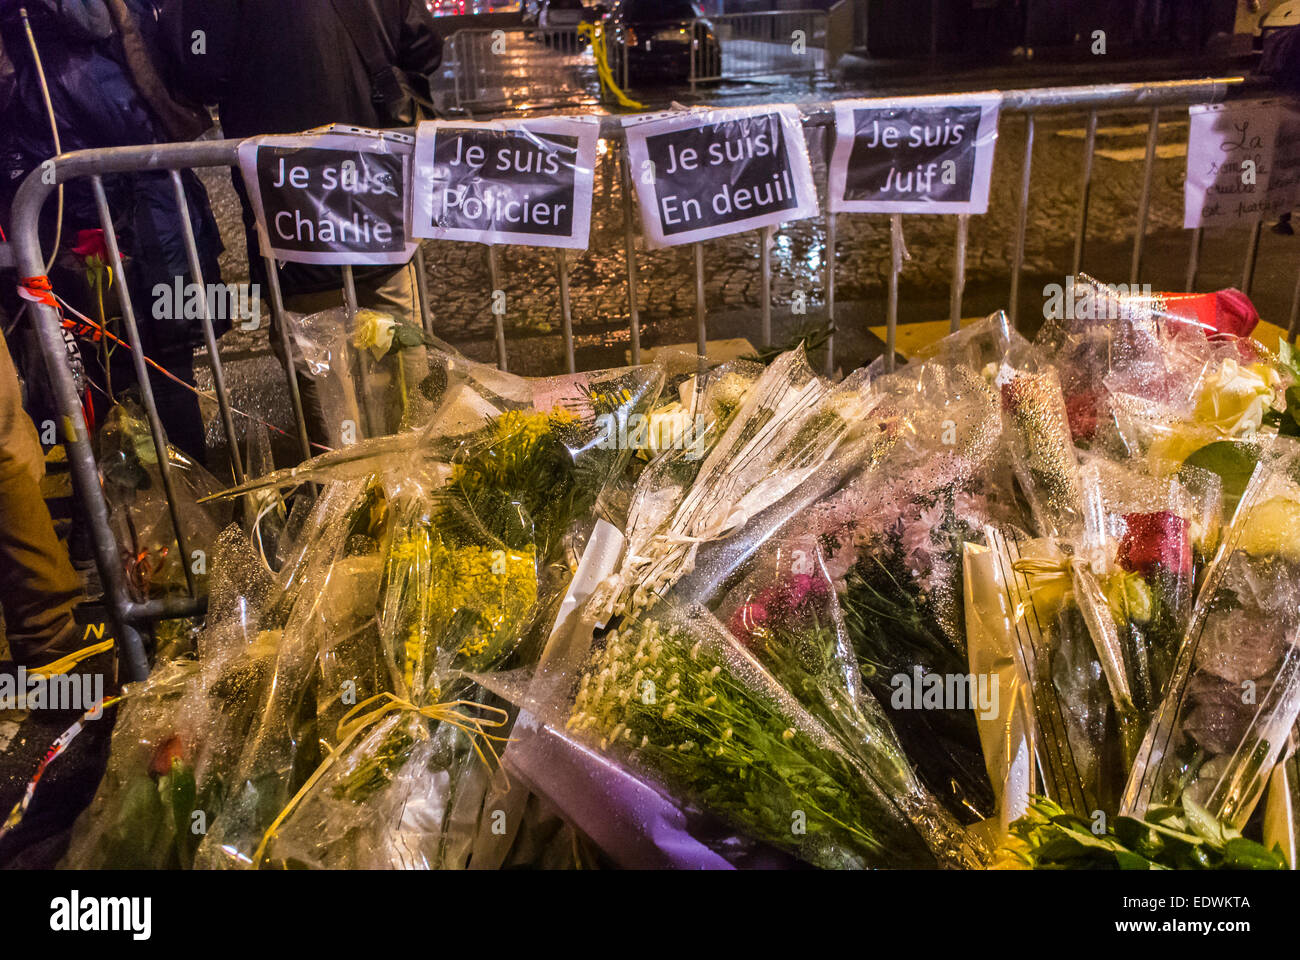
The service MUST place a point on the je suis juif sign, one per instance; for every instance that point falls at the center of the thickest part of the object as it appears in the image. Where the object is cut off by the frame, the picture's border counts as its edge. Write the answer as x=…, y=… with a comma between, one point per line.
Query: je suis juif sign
x=710, y=173
x=526, y=182
x=338, y=196
x=914, y=154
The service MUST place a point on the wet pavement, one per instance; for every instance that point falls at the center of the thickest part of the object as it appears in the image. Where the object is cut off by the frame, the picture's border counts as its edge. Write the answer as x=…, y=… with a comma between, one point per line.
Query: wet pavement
x=461, y=296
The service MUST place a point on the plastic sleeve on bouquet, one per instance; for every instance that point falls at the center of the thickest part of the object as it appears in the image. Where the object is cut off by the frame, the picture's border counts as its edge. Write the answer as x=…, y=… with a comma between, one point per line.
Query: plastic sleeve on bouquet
x=1235, y=694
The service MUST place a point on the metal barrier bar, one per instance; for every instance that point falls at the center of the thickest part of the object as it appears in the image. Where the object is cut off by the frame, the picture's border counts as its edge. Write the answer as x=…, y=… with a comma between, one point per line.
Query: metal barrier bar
x=1085, y=190
x=1252, y=255
x=895, y=268
x=1293, y=327
x=281, y=323
x=832, y=248
x=498, y=309
x=209, y=334
x=1022, y=219
x=1194, y=259
x=143, y=379
x=701, y=328
x=765, y=282
x=352, y=309
x=422, y=290
x=629, y=251
x=566, y=314
x=958, y=273
x=1144, y=202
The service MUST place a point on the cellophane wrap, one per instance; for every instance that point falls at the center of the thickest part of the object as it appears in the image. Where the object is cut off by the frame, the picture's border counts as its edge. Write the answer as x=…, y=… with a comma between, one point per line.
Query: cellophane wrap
x=1235, y=693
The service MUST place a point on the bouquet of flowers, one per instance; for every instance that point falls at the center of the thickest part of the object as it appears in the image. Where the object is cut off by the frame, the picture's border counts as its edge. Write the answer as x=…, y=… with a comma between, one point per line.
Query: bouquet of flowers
x=1235, y=693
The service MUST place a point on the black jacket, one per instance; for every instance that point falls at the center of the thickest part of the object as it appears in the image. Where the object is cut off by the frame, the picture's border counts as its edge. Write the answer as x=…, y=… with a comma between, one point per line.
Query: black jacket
x=281, y=66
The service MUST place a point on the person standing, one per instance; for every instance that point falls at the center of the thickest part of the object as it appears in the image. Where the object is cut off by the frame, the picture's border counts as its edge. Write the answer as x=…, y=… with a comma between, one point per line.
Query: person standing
x=89, y=76
x=293, y=65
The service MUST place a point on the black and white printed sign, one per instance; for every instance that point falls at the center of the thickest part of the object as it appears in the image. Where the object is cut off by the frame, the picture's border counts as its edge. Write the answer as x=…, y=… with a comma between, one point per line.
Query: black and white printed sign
x=914, y=154
x=1243, y=162
x=710, y=173
x=330, y=197
x=527, y=182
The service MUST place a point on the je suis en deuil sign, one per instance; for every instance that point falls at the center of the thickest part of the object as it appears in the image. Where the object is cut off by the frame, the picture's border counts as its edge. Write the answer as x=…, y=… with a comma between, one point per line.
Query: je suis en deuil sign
x=709, y=173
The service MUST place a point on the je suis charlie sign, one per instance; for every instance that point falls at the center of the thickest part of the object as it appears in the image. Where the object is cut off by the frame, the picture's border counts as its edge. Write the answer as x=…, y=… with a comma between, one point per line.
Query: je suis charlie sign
x=710, y=173
x=526, y=182
x=914, y=154
x=337, y=196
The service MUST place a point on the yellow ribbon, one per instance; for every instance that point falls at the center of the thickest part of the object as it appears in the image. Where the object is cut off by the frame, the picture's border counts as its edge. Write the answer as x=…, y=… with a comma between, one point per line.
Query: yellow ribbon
x=357, y=720
x=64, y=664
x=595, y=32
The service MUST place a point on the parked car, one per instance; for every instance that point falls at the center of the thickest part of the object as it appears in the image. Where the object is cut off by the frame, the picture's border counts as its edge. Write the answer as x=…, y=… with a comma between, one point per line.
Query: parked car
x=661, y=38
x=561, y=14
x=556, y=20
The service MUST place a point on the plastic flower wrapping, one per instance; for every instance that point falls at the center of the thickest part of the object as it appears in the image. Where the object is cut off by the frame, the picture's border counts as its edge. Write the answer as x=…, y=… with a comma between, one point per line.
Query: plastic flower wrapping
x=1018, y=604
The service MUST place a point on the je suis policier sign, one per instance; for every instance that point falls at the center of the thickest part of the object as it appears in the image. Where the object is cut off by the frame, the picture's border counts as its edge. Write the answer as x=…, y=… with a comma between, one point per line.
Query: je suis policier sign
x=338, y=196
x=914, y=154
x=528, y=182
x=709, y=173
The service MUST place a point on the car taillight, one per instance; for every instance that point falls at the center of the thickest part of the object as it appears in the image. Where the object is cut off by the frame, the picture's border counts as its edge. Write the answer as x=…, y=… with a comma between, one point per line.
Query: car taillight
x=631, y=37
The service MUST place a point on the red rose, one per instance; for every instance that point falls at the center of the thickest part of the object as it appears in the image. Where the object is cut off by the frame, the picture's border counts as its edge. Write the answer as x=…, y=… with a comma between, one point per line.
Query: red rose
x=1162, y=538
x=90, y=243
x=1081, y=410
x=170, y=749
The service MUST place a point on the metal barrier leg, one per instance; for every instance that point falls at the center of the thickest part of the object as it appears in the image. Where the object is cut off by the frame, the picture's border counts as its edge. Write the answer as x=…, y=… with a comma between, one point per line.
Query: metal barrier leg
x=701, y=330
x=422, y=290
x=146, y=385
x=1085, y=191
x=282, y=331
x=1252, y=257
x=629, y=250
x=1022, y=220
x=498, y=310
x=209, y=334
x=958, y=273
x=1144, y=203
x=765, y=276
x=832, y=248
x=1194, y=259
x=363, y=375
x=566, y=313
x=895, y=268
x=1293, y=327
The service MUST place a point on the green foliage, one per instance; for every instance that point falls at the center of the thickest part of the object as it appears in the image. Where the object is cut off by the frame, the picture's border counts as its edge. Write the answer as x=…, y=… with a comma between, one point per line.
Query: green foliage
x=1048, y=838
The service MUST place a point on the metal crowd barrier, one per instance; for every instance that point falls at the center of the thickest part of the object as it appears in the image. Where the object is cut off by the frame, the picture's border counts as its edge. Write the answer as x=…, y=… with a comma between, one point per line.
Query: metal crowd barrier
x=130, y=615
x=517, y=68
x=530, y=68
x=773, y=43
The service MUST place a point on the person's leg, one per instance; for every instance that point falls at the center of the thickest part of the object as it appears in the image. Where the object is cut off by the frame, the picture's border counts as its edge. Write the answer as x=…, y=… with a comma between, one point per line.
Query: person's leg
x=38, y=587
